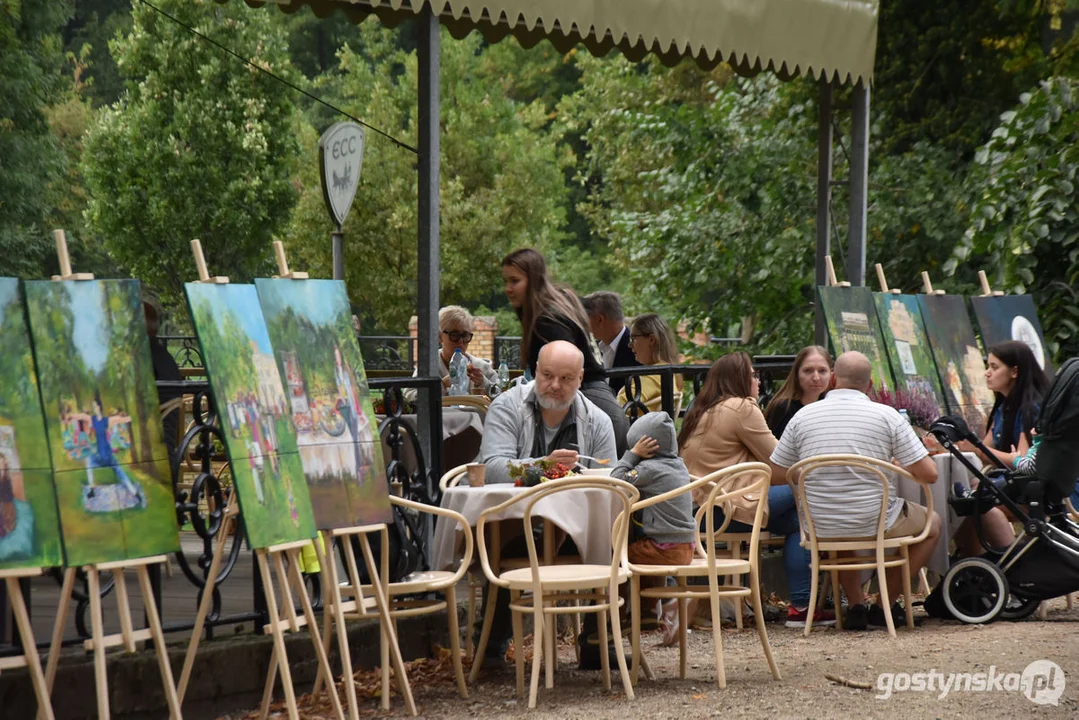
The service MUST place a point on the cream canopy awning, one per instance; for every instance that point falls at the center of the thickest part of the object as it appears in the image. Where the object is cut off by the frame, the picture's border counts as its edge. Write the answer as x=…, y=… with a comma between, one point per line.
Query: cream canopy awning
x=825, y=39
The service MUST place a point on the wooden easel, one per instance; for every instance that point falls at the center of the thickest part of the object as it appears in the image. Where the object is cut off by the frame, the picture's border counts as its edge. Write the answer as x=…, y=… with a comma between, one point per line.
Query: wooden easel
x=884, y=282
x=128, y=636
x=987, y=291
x=832, y=282
x=335, y=607
x=29, y=658
x=929, y=286
x=290, y=581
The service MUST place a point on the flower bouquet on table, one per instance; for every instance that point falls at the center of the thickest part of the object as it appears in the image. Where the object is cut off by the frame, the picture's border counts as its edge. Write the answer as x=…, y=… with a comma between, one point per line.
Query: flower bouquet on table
x=530, y=474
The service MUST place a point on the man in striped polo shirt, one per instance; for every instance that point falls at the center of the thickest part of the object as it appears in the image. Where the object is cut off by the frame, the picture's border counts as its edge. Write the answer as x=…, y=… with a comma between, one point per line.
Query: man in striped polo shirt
x=846, y=501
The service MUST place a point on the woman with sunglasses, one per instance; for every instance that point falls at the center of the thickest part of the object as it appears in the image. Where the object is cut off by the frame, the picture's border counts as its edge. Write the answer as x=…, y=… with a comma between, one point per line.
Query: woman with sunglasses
x=652, y=343
x=455, y=333
x=549, y=313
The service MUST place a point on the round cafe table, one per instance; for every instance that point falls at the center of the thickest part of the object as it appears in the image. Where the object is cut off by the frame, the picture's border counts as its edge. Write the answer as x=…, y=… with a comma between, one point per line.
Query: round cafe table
x=584, y=514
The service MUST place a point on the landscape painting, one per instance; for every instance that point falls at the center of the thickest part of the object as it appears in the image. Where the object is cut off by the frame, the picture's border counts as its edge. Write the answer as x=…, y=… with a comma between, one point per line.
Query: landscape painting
x=911, y=357
x=318, y=356
x=111, y=468
x=29, y=523
x=250, y=400
x=1012, y=317
x=852, y=325
x=959, y=361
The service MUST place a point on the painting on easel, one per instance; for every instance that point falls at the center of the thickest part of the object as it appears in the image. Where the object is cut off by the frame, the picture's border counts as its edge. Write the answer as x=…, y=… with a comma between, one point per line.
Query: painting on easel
x=29, y=525
x=852, y=325
x=310, y=326
x=1012, y=317
x=254, y=411
x=959, y=361
x=111, y=468
x=911, y=357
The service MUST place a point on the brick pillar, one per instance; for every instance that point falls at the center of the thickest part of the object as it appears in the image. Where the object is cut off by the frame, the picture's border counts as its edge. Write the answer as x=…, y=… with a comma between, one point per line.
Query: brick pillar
x=484, y=330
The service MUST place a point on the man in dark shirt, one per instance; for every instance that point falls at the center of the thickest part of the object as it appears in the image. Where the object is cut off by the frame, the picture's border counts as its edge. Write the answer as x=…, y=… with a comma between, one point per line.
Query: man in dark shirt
x=607, y=323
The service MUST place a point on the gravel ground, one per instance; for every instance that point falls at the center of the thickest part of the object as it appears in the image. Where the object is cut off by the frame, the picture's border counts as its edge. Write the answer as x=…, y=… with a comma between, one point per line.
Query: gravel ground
x=804, y=691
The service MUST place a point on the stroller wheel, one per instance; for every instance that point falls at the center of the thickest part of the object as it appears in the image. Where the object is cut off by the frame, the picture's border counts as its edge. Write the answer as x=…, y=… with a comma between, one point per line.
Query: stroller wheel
x=975, y=590
x=1018, y=607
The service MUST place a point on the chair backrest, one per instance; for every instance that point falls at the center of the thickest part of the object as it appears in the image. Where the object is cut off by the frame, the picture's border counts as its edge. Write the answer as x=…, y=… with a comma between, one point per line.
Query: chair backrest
x=721, y=494
x=477, y=403
x=453, y=477
x=624, y=493
x=870, y=468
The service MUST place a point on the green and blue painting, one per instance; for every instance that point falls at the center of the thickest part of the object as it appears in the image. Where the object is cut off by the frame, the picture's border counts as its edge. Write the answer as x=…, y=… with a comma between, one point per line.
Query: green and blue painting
x=1012, y=317
x=111, y=468
x=911, y=357
x=29, y=522
x=250, y=400
x=852, y=322
x=319, y=360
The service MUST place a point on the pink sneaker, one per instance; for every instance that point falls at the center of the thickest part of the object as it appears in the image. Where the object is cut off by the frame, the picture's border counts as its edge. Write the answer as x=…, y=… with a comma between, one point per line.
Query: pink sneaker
x=796, y=617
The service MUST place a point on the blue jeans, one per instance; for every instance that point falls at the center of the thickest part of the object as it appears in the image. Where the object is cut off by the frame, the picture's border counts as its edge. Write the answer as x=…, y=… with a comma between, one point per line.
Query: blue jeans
x=783, y=520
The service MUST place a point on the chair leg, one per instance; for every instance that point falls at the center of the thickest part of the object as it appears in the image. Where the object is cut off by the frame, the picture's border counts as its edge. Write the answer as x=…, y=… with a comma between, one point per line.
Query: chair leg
x=836, y=590
x=470, y=645
x=885, y=601
x=538, y=622
x=552, y=656
x=455, y=640
x=577, y=631
x=717, y=636
x=619, y=651
x=518, y=644
x=683, y=633
x=908, y=607
x=814, y=571
x=635, y=624
x=762, y=630
x=604, y=658
x=485, y=634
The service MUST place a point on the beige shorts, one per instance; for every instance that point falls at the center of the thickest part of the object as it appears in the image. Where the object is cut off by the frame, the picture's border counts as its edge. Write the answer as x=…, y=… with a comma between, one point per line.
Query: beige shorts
x=911, y=521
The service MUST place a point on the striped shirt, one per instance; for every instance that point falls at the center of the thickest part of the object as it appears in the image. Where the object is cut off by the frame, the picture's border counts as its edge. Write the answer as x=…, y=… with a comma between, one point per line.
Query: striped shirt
x=844, y=501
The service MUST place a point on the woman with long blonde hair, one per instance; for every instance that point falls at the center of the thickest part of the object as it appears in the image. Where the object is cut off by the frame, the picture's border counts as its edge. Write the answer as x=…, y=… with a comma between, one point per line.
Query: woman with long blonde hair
x=653, y=343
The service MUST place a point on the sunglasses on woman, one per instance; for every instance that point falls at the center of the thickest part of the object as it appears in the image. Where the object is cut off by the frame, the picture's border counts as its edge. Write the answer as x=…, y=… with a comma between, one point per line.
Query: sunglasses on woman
x=458, y=336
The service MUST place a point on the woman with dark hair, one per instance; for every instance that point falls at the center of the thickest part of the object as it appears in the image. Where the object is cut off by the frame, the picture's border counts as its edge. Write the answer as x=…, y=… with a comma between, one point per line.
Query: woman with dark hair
x=1019, y=384
x=725, y=427
x=548, y=313
x=806, y=383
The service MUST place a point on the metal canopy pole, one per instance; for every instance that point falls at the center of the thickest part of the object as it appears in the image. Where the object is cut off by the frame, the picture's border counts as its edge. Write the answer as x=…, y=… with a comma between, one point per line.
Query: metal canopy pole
x=427, y=267
x=859, y=181
x=824, y=201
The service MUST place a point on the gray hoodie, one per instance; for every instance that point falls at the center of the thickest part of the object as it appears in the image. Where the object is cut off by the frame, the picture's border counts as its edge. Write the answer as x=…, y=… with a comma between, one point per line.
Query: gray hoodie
x=670, y=521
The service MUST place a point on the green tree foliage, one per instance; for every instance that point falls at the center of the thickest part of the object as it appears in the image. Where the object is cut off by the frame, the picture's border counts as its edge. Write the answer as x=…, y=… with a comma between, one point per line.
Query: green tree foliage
x=1024, y=224
x=199, y=146
x=30, y=81
x=501, y=184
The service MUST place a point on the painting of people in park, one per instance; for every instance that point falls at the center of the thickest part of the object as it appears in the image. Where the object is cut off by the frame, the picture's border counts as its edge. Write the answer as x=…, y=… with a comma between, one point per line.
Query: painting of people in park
x=111, y=467
x=318, y=355
x=960, y=364
x=911, y=357
x=852, y=325
x=1012, y=317
x=250, y=400
x=29, y=524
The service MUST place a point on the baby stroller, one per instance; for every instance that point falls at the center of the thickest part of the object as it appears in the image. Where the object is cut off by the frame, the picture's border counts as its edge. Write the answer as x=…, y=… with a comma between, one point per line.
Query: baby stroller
x=1043, y=562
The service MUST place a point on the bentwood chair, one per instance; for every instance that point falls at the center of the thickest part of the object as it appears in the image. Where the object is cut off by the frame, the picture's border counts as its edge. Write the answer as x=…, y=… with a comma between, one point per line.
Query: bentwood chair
x=705, y=564
x=538, y=589
x=842, y=551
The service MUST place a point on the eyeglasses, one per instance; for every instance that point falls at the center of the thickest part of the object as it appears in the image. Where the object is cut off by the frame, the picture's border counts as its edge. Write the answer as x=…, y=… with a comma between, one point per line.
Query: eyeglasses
x=633, y=338
x=756, y=375
x=458, y=336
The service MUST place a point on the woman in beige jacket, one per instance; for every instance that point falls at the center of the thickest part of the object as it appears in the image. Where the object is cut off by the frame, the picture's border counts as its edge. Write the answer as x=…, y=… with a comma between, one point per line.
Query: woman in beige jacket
x=725, y=427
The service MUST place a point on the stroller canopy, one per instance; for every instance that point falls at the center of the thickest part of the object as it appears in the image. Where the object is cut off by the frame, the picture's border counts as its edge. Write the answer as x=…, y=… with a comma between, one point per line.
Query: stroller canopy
x=1058, y=424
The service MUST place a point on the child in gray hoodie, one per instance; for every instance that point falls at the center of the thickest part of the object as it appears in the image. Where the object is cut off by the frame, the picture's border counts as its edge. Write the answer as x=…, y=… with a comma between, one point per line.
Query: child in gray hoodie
x=664, y=533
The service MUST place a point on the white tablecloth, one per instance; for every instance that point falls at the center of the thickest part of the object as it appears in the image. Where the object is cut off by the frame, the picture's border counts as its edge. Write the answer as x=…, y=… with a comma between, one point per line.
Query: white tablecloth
x=949, y=471
x=586, y=514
